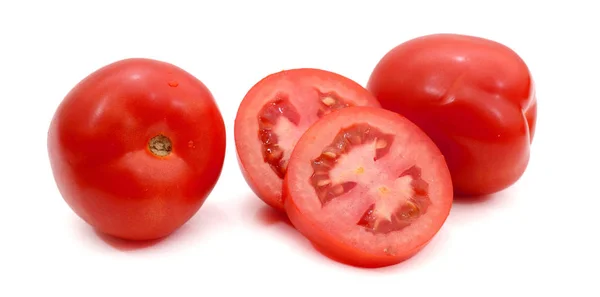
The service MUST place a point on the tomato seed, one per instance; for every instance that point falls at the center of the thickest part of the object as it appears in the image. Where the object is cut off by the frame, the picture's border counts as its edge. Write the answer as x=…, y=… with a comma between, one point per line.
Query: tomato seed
x=329, y=101
x=323, y=182
x=330, y=154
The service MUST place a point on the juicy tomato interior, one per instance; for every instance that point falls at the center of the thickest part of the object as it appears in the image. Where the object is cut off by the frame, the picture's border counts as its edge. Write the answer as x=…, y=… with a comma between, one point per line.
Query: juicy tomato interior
x=280, y=123
x=276, y=112
x=367, y=185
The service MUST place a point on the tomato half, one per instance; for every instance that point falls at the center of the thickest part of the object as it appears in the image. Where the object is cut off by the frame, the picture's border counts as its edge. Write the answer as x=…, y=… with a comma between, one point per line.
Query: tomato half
x=274, y=114
x=474, y=97
x=367, y=187
x=136, y=147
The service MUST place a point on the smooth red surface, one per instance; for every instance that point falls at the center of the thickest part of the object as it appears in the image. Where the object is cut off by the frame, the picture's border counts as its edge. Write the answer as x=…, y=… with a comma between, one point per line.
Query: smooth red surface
x=333, y=227
x=98, y=148
x=301, y=87
x=474, y=97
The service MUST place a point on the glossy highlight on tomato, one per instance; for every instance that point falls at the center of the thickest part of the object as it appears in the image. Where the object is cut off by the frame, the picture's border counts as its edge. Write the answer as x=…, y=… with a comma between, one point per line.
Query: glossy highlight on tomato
x=367, y=187
x=473, y=96
x=136, y=147
x=274, y=114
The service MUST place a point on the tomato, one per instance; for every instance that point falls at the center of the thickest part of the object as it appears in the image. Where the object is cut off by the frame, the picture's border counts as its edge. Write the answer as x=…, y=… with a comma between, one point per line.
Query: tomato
x=274, y=114
x=367, y=187
x=474, y=97
x=136, y=147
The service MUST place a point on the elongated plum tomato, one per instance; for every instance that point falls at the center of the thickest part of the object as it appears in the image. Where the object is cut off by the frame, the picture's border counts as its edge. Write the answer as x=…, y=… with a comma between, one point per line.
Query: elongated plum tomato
x=276, y=111
x=136, y=147
x=367, y=187
x=474, y=97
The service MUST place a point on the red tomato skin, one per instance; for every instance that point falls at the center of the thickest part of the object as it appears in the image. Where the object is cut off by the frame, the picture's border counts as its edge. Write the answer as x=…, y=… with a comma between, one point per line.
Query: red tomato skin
x=474, y=97
x=99, y=155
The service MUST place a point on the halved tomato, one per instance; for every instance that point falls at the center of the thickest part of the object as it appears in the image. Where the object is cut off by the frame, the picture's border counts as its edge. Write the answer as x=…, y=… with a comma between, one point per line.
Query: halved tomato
x=274, y=114
x=367, y=187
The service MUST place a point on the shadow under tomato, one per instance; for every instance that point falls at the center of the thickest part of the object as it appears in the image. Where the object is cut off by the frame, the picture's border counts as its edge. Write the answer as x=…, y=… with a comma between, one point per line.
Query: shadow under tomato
x=488, y=198
x=331, y=256
x=424, y=254
x=207, y=216
x=125, y=245
x=459, y=199
x=468, y=210
x=267, y=216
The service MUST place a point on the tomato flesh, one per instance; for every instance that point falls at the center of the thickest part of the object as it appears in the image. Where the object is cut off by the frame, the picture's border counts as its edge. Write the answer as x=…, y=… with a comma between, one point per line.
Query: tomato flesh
x=474, y=97
x=136, y=147
x=367, y=186
x=274, y=114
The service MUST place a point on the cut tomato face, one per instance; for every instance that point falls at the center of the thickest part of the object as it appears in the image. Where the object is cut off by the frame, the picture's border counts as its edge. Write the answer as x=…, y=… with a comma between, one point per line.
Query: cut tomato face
x=367, y=187
x=275, y=113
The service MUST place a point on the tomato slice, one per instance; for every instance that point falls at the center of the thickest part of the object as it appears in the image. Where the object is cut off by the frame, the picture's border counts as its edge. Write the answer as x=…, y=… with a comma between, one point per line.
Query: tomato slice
x=367, y=187
x=274, y=114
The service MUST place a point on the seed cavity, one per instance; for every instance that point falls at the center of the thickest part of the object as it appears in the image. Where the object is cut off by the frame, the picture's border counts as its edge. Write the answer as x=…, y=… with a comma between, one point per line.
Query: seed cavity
x=267, y=119
x=343, y=142
x=280, y=107
x=374, y=220
x=408, y=212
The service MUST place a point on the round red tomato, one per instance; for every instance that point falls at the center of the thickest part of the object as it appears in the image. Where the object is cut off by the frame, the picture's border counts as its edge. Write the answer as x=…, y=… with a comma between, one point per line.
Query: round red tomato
x=136, y=147
x=474, y=97
x=274, y=114
x=367, y=187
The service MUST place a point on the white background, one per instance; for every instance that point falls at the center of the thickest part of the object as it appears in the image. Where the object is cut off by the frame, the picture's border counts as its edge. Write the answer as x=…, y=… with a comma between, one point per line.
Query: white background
x=539, y=236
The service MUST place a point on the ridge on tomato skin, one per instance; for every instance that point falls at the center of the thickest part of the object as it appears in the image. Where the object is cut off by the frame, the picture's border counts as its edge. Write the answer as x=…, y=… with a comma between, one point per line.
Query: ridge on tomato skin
x=136, y=147
x=473, y=96
x=273, y=115
x=367, y=187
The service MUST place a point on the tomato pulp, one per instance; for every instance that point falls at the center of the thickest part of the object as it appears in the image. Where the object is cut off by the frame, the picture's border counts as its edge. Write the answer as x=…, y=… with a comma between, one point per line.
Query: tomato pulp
x=136, y=147
x=274, y=114
x=474, y=97
x=367, y=187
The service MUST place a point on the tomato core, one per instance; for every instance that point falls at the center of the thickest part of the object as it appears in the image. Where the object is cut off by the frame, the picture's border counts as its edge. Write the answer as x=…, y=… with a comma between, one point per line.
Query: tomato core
x=160, y=145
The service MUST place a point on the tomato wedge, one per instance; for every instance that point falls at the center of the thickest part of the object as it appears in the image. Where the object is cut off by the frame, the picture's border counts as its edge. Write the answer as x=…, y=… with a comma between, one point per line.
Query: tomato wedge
x=274, y=114
x=367, y=187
